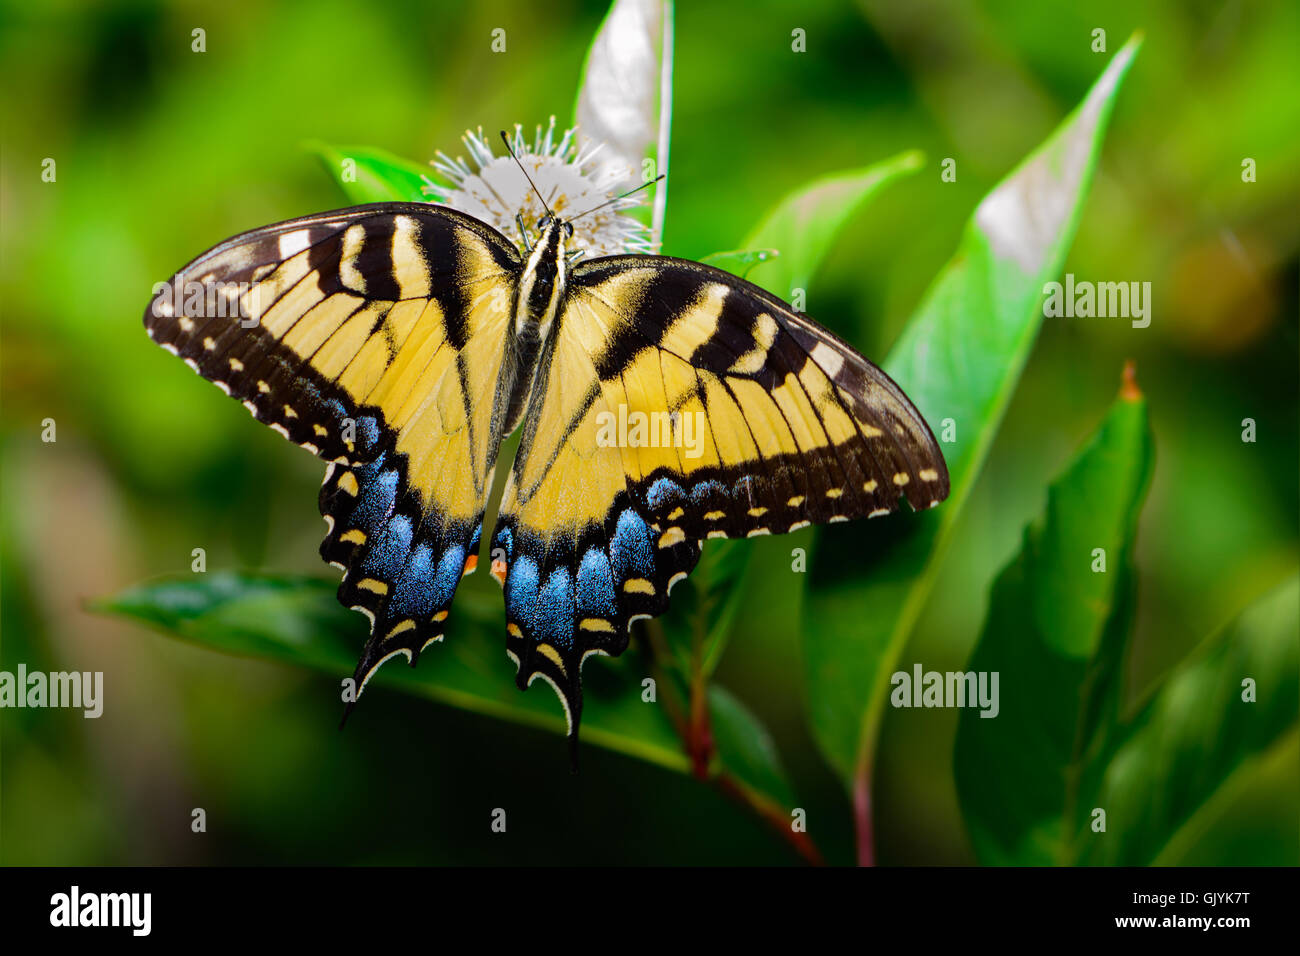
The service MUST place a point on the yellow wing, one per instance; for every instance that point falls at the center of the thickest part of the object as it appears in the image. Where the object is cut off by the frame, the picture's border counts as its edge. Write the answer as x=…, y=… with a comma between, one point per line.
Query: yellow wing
x=374, y=337
x=680, y=403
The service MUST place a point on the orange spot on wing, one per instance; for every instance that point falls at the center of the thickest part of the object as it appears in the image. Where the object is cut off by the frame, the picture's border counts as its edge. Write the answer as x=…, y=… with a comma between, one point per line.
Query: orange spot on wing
x=498, y=571
x=470, y=564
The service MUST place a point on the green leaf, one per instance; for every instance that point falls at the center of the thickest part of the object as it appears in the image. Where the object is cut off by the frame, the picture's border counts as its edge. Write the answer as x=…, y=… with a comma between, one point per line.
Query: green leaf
x=1055, y=635
x=804, y=224
x=373, y=175
x=746, y=749
x=959, y=359
x=297, y=620
x=704, y=606
x=1197, y=745
x=740, y=261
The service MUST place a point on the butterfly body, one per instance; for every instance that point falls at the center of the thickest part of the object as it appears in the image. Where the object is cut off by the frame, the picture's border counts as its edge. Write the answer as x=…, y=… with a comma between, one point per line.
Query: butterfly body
x=537, y=301
x=402, y=342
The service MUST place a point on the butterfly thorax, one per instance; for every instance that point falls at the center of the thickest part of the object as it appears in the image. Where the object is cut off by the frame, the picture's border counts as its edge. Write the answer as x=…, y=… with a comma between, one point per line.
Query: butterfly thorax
x=541, y=287
x=539, y=298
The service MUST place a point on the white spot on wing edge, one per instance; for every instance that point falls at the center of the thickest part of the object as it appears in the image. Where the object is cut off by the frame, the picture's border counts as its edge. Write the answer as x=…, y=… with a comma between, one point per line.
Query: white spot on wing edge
x=353, y=237
x=292, y=243
x=828, y=358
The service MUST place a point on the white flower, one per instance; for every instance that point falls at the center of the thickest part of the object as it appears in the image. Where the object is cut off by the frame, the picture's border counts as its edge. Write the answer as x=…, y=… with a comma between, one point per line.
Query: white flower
x=572, y=180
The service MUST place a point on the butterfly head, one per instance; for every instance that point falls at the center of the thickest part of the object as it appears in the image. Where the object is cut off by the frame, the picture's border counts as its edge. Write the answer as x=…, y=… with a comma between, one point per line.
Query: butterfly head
x=549, y=253
x=549, y=222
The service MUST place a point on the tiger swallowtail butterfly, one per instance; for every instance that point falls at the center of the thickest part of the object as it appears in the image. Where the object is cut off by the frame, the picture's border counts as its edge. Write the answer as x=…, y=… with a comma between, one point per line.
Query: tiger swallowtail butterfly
x=402, y=342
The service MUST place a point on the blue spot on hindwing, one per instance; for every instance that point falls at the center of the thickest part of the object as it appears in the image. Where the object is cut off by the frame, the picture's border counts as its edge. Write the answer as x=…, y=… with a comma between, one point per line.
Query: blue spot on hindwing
x=388, y=551
x=450, y=567
x=505, y=540
x=378, y=495
x=595, y=589
x=702, y=492
x=553, y=614
x=629, y=549
x=663, y=493
x=521, y=589
x=413, y=596
x=744, y=488
x=367, y=433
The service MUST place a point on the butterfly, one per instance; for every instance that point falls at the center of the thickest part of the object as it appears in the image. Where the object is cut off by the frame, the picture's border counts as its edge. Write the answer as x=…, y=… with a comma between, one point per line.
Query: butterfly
x=662, y=403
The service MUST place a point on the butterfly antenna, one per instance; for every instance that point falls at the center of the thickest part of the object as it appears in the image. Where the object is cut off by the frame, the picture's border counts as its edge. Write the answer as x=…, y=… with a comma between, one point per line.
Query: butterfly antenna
x=617, y=198
x=506, y=139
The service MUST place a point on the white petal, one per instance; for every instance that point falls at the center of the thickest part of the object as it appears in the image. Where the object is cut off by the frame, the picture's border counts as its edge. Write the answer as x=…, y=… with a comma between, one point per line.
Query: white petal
x=626, y=97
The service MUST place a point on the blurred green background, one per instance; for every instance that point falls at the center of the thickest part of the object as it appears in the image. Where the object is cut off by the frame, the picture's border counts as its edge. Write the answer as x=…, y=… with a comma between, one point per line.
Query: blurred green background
x=162, y=152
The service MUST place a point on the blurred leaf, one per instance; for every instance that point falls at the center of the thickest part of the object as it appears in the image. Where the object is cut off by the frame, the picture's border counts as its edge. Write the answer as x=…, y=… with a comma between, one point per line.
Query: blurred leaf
x=804, y=224
x=704, y=606
x=740, y=261
x=297, y=620
x=959, y=359
x=1056, y=634
x=379, y=175
x=1196, y=744
x=625, y=101
x=746, y=749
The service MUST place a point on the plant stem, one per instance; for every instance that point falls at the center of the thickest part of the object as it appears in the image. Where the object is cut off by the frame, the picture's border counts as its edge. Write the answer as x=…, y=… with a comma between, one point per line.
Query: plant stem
x=699, y=742
x=862, y=818
x=772, y=814
x=697, y=739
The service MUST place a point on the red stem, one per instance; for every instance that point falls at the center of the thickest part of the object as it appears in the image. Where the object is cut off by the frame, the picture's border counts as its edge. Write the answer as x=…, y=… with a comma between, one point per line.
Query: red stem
x=862, y=818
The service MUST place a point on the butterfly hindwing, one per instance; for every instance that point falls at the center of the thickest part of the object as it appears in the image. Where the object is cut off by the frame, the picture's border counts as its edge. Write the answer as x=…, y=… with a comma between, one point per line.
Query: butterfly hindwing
x=573, y=550
x=678, y=403
x=373, y=337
